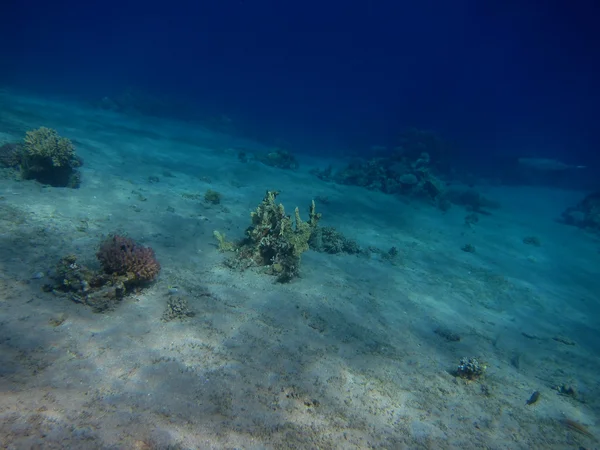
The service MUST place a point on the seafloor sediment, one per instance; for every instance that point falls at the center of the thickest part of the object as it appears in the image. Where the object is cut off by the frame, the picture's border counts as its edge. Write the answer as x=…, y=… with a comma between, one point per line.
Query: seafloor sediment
x=358, y=352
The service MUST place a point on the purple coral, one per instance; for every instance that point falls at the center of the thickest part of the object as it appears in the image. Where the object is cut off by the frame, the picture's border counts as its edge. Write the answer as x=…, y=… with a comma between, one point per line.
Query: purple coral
x=122, y=256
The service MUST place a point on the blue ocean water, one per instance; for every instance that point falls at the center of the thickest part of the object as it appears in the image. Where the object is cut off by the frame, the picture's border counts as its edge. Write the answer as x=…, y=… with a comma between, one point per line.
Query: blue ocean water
x=158, y=290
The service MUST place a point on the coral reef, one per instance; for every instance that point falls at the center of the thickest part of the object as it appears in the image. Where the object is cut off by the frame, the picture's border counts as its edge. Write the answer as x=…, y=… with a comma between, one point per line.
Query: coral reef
x=470, y=368
x=280, y=158
x=177, y=308
x=274, y=240
x=408, y=169
x=82, y=285
x=49, y=158
x=393, y=177
x=325, y=174
x=126, y=266
x=212, y=197
x=224, y=244
x=586, y=214
x=414, y=141
x=330, y=240
x=122, y=256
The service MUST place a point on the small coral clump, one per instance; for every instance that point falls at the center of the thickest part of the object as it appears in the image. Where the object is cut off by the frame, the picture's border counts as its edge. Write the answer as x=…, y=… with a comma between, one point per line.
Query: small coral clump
x=177, y=309
x=123, y=256
x=330, y=240
x=280, y=158
x=224, y=244
x=212, y=197
x=470, y=368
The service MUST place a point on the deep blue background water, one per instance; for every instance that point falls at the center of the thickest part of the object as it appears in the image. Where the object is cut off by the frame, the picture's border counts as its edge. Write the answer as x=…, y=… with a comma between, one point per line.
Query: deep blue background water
x=498, y=77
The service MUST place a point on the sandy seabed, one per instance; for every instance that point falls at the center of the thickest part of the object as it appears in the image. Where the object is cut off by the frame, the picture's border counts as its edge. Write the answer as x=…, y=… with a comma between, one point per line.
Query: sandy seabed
x=354, y=354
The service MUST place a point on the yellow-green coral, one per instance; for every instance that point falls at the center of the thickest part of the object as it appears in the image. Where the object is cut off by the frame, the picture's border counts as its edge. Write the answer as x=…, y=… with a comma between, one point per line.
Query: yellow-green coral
x=224, y=245
x=300, y=236
x=274, y=240
x=46, y=143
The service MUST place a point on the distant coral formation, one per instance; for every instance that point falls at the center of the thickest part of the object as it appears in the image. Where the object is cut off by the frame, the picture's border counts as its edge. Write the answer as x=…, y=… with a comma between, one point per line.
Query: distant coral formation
x=49, y=158
x=586, y=214
x=279, y=158
x=408, y=169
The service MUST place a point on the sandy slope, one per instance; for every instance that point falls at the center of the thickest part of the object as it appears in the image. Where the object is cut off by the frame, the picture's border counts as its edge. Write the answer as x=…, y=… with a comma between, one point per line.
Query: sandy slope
x=345, y=357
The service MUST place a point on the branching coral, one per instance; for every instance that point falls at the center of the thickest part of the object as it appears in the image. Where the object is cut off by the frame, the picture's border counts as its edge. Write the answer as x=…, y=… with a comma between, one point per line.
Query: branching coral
x=274, y=240
x=47, y=144
x=49, y=158
x=122, y=256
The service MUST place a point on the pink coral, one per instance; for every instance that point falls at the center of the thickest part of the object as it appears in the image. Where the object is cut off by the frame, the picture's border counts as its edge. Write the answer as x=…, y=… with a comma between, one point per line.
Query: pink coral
x=122, y=256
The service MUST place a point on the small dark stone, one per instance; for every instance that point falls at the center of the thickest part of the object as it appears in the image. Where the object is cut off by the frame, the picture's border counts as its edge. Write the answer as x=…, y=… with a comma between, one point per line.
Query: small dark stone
x=534, y=398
